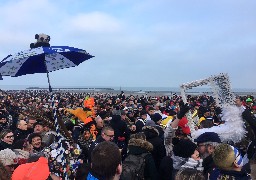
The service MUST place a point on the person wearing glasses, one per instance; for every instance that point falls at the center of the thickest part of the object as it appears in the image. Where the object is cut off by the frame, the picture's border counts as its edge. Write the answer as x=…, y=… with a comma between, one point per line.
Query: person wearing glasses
x=6, y=139
x=229, y=163
x=107, y=134
x=206, y=143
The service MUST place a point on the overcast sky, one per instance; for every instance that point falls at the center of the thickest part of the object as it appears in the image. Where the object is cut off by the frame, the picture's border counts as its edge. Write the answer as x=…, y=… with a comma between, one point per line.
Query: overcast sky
x=145, y=43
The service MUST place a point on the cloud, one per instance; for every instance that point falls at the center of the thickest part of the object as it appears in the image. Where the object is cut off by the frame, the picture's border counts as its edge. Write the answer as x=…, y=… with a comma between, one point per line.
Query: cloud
x=94, y=22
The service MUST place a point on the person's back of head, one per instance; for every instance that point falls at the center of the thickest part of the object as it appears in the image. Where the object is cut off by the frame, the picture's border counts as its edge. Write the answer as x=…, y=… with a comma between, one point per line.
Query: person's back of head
x=227, y=157
x=206, y=124
x=139, y=135
x=106, y=160
x=189, y=174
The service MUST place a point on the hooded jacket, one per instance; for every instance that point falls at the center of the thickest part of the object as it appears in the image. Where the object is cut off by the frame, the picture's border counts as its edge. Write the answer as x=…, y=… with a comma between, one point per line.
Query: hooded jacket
x=38, y=170
x=140, y=146
x=159, y=152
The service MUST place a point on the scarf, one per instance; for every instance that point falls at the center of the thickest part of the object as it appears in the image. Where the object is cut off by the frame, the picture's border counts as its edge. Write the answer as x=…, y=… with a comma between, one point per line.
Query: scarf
x=193, y=164
x=178, y=162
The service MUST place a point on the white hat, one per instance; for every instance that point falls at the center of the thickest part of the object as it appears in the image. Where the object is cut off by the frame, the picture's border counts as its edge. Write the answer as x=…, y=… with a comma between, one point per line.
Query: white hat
x=8, y=157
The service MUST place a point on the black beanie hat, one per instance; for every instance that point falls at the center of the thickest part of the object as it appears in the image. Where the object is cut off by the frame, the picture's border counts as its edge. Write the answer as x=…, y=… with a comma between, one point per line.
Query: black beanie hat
x=156, y=117
x=184, y=148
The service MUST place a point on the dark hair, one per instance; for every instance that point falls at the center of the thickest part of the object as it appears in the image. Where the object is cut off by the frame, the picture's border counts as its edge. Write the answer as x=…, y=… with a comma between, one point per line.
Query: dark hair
x=139, y=135
x=4, y=132
x=105, y=159
x=33, y=135
x=150, y=109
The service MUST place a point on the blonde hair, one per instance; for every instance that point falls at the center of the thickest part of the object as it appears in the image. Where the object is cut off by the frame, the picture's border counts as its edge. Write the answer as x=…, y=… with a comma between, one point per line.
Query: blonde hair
x=224, y=156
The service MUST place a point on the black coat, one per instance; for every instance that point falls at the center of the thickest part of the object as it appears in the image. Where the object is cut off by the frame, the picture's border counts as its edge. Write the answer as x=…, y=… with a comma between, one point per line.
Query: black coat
x=20, y=134
x=120, y=128
x=137, y=147
x=208, y=165
x=159, y=151
x=93, y=145
x=4, y=145
x=166, y=168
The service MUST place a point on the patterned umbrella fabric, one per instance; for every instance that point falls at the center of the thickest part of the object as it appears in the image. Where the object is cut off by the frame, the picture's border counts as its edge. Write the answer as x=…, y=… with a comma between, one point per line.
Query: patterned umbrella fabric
x=42, y=60
x=45, y=60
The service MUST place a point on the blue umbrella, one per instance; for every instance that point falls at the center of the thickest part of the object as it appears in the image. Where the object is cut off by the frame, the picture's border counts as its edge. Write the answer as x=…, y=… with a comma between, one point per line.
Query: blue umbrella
x=42, y=60
x=45, y=60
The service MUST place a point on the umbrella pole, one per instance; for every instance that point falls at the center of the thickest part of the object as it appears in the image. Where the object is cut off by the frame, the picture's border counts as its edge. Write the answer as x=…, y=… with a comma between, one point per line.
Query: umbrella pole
x=50, y=88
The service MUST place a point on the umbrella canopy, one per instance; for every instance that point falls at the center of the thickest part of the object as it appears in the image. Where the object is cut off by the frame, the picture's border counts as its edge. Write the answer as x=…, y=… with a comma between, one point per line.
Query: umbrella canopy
x=42, y=60
x=45, y=60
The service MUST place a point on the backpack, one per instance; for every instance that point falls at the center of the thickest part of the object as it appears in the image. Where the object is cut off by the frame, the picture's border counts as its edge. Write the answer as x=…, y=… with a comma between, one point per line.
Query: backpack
x=133, y=167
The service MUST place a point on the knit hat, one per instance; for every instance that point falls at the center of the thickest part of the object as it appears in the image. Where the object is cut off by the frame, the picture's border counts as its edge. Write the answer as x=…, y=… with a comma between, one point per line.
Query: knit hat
x=184, y=148
x=208, y=137
x=156, y=117
x=8, y=157
x=183, y=123
x=38, y=170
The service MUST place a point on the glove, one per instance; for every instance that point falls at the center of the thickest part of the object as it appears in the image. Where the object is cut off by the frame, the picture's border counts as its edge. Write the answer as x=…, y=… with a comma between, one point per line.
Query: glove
x=183, y=110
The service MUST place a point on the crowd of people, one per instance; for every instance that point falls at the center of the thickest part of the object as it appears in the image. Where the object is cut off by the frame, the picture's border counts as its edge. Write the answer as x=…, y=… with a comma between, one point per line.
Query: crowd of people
x=123, y=137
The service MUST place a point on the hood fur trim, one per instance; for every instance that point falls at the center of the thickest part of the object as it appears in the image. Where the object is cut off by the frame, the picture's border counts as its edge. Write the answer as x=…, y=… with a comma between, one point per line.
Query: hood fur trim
x=141, y=143
x=145, y=128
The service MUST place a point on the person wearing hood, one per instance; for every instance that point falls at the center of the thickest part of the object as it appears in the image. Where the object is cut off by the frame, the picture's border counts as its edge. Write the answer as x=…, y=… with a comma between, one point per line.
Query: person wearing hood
x=6, y=139
x=38, y=170
x=137, y=146
x=152, y=136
